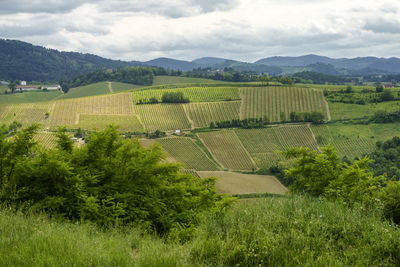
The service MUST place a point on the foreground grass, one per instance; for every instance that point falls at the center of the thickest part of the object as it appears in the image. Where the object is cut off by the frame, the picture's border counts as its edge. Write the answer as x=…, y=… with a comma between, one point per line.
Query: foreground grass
x=275, y=231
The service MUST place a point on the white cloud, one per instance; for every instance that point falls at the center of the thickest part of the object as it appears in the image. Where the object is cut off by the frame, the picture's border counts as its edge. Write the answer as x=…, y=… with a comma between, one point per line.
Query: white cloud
x=186, y=29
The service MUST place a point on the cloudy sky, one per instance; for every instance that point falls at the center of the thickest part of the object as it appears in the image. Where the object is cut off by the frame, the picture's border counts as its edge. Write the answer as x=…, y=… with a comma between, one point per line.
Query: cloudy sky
x=187, y=29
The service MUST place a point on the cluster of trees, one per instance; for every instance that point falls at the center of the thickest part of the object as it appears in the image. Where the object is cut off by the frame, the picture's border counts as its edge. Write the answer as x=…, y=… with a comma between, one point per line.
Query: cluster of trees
x=109, y=181
x=324, y=175
x=319, y=78
x=383, y=116
x=386, y=158
x=225, y=74
x=133, y=75
x=315, y=117
x=365, y=96
x=167, y=97
x=245, y=123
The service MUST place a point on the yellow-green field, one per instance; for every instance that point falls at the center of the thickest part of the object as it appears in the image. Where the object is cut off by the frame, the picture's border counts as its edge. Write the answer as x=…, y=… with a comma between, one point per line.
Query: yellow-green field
x=202, y=114
x=99, y=88
x=343, y=111
x=227, y=149
x=194, y=94
x=239, y=183
x=26, y=114
x=163, y=117
x=184, y=150
x=48, y=140
x=125, y=122
x=270, y=102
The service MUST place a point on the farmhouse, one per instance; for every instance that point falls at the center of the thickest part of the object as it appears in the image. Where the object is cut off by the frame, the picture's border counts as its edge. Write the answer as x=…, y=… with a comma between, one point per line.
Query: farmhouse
x=51, y=87
x=388, y=85
x=25, y=87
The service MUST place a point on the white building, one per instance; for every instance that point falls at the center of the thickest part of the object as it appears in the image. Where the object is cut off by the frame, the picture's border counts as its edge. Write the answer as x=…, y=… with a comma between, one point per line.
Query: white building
x=23, y=82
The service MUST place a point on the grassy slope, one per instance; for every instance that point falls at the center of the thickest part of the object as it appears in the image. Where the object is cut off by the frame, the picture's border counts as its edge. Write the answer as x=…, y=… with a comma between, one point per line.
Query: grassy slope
x=277, y=231
x=159, y=80
x=340, y=111
x=119, y=87
x=88, y=90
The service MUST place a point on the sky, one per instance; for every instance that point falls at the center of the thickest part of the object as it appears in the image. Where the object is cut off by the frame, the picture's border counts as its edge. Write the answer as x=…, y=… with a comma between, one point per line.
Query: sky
x=245, y=30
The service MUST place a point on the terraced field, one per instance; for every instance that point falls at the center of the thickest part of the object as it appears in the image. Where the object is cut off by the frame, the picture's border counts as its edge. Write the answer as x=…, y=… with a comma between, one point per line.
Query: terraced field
x=273, y=102
x=262, y=144
x=202, y=114
x=239, y=183
x=125, y=122
x=163, y=117
x=184, y=150
x=66, y=112
x=195, y=94
x=227, y=149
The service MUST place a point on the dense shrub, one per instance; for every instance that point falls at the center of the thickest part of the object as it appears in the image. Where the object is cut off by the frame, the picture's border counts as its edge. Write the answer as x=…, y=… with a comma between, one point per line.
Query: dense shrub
x=174, y=97
x=109, y=181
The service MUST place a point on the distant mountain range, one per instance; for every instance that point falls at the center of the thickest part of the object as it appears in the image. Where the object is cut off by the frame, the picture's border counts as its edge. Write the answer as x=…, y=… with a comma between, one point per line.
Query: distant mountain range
x=24, y=61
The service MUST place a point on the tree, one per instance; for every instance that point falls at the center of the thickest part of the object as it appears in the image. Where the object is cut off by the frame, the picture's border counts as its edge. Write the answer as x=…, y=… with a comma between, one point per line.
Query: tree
x=324, y=175
x=349, y=89
x=387, y=95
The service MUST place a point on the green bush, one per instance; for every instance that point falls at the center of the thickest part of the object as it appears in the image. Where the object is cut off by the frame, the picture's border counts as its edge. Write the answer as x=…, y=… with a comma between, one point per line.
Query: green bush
x=109, y=181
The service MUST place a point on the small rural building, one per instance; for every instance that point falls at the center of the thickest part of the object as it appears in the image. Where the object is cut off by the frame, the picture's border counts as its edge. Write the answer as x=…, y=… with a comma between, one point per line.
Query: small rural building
x=23, y=82
x=177, y=131
x=25, y=87
x=388, y=85
x=51, y=87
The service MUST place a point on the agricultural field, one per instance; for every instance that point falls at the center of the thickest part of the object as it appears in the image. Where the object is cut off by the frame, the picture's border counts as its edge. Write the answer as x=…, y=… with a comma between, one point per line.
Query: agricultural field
x=239, y=183
x=66, y=112
x=350, y=140
x=29, y=97
x=48, y=140
x=271, y=102
x=160, y=80
x=184, y=150
x=163, y=117
x=119, y=87
x=263, y=144
x=227, y=149
x=343, y=111
x=125, y=122
x=202, y=114
x=194, y=94
x=99, y=88
x=26, y=114
x=3, y=88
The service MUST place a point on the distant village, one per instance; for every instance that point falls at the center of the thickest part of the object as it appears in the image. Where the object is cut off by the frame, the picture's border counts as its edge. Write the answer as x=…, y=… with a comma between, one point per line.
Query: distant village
x=22, y=86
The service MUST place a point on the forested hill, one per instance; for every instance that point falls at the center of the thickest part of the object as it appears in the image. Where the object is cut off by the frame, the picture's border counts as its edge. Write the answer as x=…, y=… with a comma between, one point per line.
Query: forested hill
x=24, y=61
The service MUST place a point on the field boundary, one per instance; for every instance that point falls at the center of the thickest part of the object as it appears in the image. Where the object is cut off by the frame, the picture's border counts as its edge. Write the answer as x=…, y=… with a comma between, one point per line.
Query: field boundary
x=211, y=153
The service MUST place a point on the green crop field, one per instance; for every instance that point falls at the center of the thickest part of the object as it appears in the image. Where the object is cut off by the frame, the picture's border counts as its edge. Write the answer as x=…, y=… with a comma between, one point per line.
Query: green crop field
x=227, y=149
x=342, y=111
x=29, y=97
x=184, y=150
x=202, y=114
x=125, y=122
x=99, y=88
x=159, y=80
x=195, y=94
x=163, y=117
x=119, y=87
x=259, y=102
x=350, y=140
x=262, y=144
x=3, y=88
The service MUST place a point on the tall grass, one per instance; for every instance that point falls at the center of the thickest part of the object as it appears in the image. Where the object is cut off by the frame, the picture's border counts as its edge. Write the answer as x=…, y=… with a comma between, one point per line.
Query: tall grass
x=275, y=231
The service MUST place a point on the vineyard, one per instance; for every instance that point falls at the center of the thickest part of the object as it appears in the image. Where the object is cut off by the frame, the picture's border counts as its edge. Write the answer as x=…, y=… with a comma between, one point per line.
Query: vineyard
x=239, y=183
x=202, y=114
x=48, y=140
x=163, y=117
x=350, y=141
x=227, y=149
x=66, y=112
x=184, y=150
x=25, y=113
x=125, y=122
x=262, y=144
x=195, y=94
x=276, y=103
x=160, y=80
